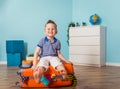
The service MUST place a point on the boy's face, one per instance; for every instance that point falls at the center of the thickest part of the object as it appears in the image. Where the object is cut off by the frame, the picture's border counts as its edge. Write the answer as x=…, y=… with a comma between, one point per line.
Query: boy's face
x=50, y=30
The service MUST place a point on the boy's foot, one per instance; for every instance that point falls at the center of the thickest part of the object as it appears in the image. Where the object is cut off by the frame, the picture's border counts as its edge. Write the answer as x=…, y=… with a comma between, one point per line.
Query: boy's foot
x=37, y=77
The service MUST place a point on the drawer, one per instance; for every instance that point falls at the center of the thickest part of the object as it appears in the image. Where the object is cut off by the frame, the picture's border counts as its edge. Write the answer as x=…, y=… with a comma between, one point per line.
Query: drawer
x=84, y=41
x=91, y=50
x=85, y=59
x=85, y=31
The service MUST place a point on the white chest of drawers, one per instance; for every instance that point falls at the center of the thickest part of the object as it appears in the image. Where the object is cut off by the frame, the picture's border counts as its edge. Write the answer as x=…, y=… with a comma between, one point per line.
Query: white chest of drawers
x=87, y=45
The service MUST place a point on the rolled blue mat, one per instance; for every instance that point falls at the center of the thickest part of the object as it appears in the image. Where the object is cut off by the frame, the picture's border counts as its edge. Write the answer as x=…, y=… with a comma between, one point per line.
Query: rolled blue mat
x=44, y=80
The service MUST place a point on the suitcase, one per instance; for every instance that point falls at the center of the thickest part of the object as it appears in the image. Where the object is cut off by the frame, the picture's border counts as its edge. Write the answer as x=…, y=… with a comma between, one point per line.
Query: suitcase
x=51, y=78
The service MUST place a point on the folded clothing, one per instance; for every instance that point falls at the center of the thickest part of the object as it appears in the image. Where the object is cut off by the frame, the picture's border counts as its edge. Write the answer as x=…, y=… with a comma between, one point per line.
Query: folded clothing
x=26, y=64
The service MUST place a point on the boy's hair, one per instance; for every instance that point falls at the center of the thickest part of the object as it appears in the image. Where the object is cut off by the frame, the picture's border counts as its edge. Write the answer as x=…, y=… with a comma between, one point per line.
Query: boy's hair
x=51, y=21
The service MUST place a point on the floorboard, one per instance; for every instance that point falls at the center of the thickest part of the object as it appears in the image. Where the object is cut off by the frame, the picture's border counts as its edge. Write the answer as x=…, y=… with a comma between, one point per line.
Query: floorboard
x=88, y=78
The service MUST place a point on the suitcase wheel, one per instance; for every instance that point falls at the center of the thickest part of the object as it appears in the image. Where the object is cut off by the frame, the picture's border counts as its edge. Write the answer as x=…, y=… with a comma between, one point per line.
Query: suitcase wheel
x=18, y=84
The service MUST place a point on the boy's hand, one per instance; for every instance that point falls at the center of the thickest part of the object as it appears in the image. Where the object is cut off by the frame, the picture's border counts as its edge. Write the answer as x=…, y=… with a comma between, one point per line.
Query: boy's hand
x=66, y=61
x=34, y=68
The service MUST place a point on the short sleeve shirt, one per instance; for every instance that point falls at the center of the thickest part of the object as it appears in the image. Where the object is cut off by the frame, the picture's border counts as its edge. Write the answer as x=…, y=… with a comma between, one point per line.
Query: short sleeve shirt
x=49, y=48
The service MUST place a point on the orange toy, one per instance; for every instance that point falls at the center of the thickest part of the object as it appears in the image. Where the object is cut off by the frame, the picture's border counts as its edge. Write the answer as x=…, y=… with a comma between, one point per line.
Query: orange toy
x=51, y=78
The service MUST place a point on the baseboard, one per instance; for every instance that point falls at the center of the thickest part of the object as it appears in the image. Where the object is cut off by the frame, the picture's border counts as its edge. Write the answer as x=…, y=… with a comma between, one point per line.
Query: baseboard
x=107, y=64
x=112, y=64
x=3, y=62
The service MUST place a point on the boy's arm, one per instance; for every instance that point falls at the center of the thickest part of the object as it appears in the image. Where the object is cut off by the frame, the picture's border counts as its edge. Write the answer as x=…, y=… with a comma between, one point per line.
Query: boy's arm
x=36, y=55
x=62, y=57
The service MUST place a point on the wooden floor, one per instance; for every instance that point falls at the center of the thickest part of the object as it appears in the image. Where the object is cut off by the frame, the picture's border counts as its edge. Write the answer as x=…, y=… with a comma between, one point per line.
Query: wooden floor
x=87, y=77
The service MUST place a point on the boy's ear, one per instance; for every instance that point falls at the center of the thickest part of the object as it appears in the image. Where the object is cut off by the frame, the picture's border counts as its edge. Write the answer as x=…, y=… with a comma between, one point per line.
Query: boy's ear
x=44, y=31
x=56, y=31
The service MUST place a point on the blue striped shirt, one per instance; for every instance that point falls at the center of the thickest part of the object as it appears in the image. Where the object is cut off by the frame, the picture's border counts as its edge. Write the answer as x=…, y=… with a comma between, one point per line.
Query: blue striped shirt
x=49, y=48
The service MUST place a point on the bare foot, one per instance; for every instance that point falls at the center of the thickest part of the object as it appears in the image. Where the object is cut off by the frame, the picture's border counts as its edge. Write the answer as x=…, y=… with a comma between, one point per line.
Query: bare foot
x=37, y=77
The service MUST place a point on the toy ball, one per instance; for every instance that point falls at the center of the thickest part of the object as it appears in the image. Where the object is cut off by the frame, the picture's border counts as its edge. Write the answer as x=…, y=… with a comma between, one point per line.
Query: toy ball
x=94, y=19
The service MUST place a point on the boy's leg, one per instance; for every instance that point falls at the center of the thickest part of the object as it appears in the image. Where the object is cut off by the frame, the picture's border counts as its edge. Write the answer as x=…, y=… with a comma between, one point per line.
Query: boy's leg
x=42, y=66
x=38, y=73
x=62, y=71
x=58, y=65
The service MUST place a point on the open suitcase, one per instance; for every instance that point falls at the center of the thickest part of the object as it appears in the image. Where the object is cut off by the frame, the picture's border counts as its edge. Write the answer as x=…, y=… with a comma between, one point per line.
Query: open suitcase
x=51, y=78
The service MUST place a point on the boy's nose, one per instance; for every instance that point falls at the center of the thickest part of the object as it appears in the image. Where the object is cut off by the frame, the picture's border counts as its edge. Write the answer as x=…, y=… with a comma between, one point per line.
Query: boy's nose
x=50, y=30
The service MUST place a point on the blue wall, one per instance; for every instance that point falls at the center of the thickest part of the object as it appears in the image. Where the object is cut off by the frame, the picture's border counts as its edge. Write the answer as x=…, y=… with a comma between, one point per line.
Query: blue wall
x=109, y=12
x=25, y=20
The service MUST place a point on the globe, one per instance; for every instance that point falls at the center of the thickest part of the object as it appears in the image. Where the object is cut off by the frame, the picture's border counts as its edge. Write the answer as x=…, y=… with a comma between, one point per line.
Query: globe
x=94, y=19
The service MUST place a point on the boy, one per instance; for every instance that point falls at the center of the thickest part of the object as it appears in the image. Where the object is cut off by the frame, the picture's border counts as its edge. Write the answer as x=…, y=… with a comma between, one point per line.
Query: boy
x=49, y=47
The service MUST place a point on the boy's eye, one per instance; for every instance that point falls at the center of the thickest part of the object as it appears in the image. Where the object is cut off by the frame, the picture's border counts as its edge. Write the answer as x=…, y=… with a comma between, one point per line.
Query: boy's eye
x=48, y=29
x=51, y=29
